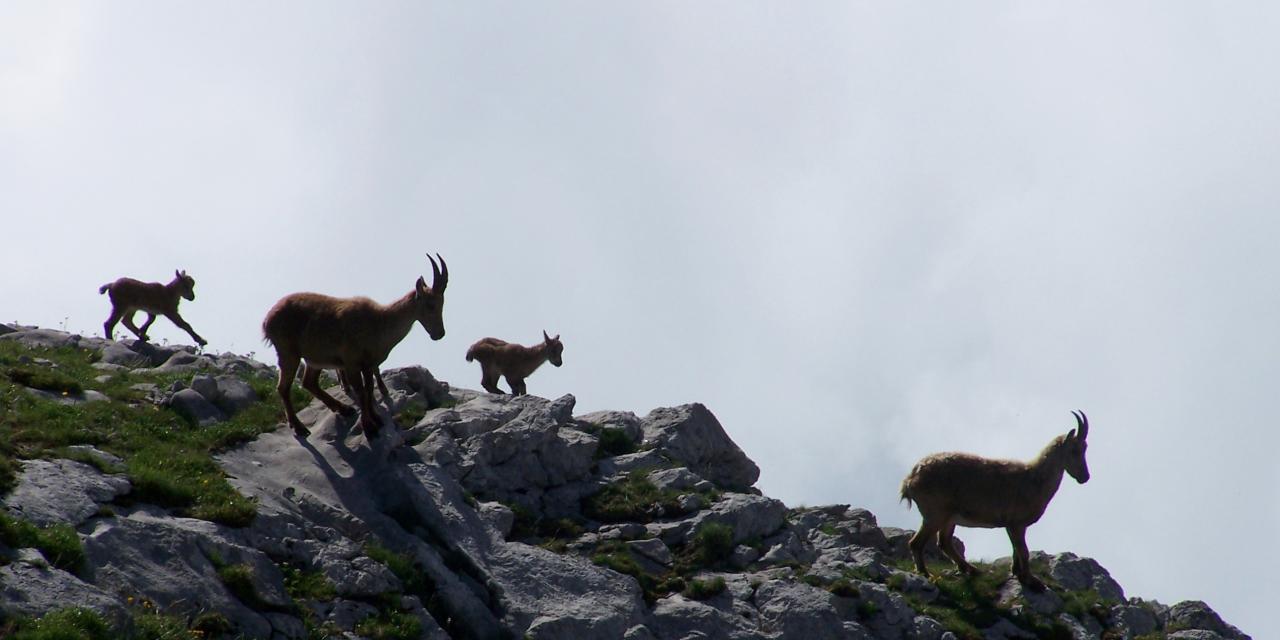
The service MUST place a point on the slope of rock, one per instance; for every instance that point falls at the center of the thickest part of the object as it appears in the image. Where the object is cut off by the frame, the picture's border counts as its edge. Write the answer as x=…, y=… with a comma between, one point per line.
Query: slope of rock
x=481, y=516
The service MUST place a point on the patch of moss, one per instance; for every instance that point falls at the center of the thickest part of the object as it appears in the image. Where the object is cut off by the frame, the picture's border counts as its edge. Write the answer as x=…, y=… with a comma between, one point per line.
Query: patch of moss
x=59, y=543
x=168, y=461
x=704, y=589
x=711, y=545
x=634, y=499
x=614, y=442
x=44, y=379
x=404, y=567
x=62, y=624
x=390, y=625
x=301, y=584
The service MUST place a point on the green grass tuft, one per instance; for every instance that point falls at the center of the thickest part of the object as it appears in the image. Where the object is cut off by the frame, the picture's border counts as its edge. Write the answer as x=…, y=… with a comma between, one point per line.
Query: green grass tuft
x=307, y=585
x=704, y=589
x=712, y=544
x=614, y=442
x=168, y=460
x=44, y=379
x=634, y=499
x=390, y=625
x=63, y=624
x=59, y=543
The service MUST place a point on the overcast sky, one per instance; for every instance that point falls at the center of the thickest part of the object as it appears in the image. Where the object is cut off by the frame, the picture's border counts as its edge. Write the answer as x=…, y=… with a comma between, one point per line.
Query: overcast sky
x=858, y=232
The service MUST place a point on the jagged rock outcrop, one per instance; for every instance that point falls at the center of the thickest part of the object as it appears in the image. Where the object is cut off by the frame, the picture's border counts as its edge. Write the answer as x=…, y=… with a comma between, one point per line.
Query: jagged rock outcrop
x=481, y=516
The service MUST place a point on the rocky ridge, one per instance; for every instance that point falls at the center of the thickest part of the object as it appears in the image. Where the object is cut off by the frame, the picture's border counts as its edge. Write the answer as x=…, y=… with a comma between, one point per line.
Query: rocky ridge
x=485, y=516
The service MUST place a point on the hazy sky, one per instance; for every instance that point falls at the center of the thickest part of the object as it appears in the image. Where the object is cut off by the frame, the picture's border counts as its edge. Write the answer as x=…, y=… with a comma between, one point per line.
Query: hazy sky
x=859, y=232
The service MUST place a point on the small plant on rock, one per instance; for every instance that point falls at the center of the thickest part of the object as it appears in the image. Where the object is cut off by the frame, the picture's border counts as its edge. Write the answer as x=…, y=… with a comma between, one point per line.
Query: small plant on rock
x=704, y=589
x=614, y=442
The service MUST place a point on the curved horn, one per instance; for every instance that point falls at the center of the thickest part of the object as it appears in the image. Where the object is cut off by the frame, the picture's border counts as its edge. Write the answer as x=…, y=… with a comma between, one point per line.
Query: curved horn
x=1082, y=422
x=435, y=273
x=439, y=274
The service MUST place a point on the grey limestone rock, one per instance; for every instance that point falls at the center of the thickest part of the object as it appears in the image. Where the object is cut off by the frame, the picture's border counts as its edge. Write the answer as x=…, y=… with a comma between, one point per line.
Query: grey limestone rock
x=205, y=385
x=31, y=587
x=797, y=610
x=677, y=617
x=749, y=515
x=56, y=491
x=692, y=435
x=628, y=422
x=117, y=353
x=193, y=406
x=174, y=562
x=1194, y=634
x=234, y=395
x=677, y=479
x=1077, y=574
x=652, y=549
x=1138, y=620
x=1194, y=614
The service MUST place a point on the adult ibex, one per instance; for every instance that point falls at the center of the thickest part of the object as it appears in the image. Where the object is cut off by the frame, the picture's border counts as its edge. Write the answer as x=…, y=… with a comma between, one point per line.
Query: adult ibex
x=352, y=335
x=512, y=361
x=953, y=489
x=129, y=296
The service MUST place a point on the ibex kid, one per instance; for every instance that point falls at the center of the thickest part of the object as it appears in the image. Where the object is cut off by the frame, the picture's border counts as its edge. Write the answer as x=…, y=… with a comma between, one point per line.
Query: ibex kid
x=128, y=296
x=512, y=361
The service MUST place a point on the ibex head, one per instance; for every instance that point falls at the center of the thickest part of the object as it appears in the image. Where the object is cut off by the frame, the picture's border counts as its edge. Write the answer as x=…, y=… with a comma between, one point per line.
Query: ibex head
x=430, y=300
x=186, y=285
x=1073, y=448
x=554, y=348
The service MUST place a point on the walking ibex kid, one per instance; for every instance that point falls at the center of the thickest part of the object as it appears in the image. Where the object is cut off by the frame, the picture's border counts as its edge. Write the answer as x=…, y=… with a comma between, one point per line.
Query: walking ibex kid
x=512, y=361
x=128, y=296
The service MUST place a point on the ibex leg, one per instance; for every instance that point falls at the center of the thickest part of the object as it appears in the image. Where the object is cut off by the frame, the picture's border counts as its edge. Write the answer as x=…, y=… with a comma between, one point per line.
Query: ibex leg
x=517, y=386
x=1022, y=559
x=128, y=324
x=311, y=382
x=288, y=370
x=177, y=319
x=109, y=327
x=947, y=542
x=489, y=378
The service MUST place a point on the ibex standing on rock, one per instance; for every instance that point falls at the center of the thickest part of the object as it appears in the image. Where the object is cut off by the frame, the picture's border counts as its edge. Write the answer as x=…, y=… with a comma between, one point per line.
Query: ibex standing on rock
x=129, y=296
x=953, y=489
x=352, y=335
x=512, y=361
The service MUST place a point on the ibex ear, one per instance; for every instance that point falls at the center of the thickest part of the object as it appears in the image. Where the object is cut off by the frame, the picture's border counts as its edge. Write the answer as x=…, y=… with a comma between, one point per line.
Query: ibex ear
x=1071, y=434
x=557, y=337
x=421, y=286
x=545, y=336
x=177, y=273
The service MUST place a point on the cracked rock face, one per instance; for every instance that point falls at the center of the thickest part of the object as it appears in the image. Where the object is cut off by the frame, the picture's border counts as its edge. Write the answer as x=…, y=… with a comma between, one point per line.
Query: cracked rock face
x=471, y=522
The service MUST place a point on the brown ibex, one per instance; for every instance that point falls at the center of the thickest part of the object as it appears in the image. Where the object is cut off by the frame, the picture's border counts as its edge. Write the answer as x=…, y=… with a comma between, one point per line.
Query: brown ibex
x=512, y=361
x=129, y=296
x=352, y=335
x=953, y=489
